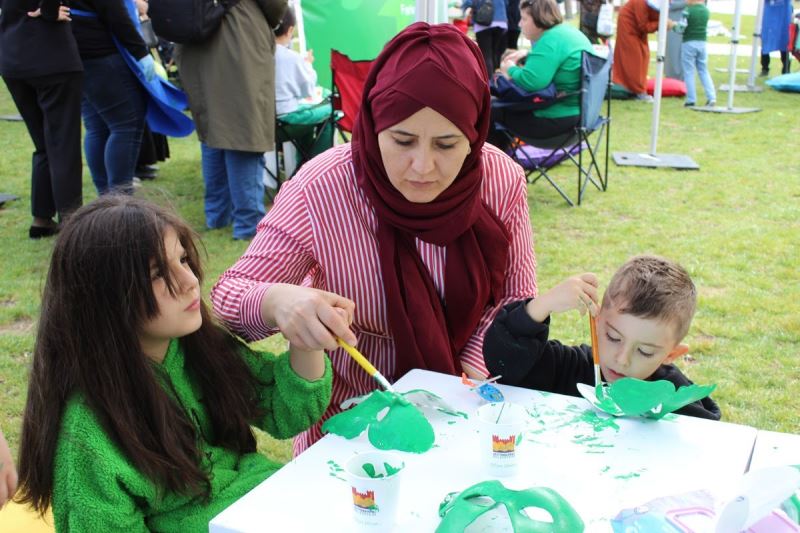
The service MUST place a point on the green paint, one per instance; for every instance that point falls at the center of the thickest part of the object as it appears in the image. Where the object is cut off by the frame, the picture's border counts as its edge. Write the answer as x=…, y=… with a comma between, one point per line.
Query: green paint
x=597, y=423
x=458, y=511
x=425, y=398
x=653, y=399
x=451, y=422
x=334, y=469
x=402, y=428
x=628, y=476
x=370, y=470
x=605, y=469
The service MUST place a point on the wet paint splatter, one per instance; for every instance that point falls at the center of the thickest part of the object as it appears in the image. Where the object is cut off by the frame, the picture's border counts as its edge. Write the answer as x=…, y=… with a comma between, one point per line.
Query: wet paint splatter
x=334, y=470
x=631, y=475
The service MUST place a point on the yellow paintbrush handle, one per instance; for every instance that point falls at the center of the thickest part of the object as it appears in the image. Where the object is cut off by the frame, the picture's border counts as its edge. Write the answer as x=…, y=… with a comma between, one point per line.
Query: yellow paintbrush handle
x=363, y=363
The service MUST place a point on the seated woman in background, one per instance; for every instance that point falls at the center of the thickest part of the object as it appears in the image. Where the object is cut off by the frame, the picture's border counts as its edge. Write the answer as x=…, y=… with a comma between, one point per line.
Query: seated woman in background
x=554, y=58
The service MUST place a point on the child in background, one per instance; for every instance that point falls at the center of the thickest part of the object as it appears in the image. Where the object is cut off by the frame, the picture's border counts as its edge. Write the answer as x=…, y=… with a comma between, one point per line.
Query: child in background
x=694, y=54
x=645, y=314
x=295, y=79
x=139, y=406
x=8, y=474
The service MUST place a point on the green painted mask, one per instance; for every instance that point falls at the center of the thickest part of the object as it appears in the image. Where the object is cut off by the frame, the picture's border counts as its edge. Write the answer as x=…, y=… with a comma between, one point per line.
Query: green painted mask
x=403, y=427
x=459, y=510
x=653, y=399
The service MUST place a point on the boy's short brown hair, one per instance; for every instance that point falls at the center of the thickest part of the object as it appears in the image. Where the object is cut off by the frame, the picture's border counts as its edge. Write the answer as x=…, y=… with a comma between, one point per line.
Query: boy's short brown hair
x=648, y=286
x=545, y=13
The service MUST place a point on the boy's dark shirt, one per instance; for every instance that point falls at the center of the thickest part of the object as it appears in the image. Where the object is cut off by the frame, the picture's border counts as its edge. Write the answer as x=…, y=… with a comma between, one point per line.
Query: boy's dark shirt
x=517, y=348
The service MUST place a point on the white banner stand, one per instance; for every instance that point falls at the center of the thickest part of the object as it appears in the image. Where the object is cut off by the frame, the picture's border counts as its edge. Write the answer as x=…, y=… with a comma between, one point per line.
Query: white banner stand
x=653, y=159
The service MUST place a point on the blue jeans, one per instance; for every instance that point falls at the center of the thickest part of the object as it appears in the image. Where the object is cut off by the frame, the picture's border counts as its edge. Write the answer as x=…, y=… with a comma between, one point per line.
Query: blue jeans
x=694, y=54
x=234, y=189
x=113, y=109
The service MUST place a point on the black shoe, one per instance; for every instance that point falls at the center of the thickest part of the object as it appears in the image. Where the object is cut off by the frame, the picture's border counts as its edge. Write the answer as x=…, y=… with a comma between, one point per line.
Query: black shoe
x=146, y=172
x=38, y=232
x=689, y=104
x=764, y=72
x=711, y=103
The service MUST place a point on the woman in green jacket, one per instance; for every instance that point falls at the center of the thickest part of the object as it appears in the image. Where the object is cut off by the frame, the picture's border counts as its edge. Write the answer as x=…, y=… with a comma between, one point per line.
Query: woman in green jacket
x=139, y=406
x=555, y=57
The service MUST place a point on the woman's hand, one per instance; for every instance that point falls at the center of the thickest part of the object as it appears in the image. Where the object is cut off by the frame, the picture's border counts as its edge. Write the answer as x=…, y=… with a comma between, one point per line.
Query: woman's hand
x=310, y=319
x=578, y=292
x=63, y=14
x=309, y=56
x=8, y=474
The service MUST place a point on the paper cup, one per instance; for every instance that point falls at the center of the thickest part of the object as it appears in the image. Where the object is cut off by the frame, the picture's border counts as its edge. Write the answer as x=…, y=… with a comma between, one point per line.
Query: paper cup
x=374, y=483
x=501, y=426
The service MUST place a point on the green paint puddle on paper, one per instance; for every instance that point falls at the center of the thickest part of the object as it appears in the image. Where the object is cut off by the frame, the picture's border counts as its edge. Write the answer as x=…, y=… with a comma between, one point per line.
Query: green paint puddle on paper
x=451, y=422
x=459, y=510
x=628, y=476
x=653, y=399
x=392, y=423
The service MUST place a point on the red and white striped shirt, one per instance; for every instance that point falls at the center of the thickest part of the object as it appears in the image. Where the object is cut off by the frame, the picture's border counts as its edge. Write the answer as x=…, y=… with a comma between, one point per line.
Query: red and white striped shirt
x=321, y=233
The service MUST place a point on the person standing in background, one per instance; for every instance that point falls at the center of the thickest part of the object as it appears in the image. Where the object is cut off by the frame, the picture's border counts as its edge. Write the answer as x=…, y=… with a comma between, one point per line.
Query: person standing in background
x=41, y=67
x=492, y=38
x=775, y=33
x=590, y=9
x=512, y=34
x=230, y=82
x=672, y=59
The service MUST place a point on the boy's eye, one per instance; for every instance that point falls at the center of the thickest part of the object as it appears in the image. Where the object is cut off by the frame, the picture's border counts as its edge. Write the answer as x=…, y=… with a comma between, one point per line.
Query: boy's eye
x=612, y=339
x=645, y=353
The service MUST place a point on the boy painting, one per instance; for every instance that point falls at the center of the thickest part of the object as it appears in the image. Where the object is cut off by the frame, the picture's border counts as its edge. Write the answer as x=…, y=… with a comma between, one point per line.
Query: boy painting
x=645, y=314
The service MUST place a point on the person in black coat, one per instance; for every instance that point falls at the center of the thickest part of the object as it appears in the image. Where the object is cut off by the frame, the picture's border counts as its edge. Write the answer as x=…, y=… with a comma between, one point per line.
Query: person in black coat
x=41, y=67
x=645, y=314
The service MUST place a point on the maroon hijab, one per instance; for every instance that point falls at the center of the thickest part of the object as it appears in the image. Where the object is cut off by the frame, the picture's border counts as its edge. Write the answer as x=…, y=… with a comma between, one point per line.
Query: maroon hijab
x=437, y=67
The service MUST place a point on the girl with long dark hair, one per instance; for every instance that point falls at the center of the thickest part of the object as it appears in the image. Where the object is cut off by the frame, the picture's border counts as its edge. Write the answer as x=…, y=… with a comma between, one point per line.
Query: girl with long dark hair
x=139, y=406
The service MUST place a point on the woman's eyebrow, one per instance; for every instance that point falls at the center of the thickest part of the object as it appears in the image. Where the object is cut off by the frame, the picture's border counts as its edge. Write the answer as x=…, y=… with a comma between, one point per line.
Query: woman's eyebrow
x=409, y=134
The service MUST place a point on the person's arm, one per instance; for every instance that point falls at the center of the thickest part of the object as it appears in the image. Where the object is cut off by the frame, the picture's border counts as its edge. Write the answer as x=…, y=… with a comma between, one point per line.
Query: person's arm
x=291, y=403
x=262, y=293
x=8, y=474
x=540, y=66
x=114, y=15
x=641, y=14
x=517, y=348
x=95, y=487
x=520, y=280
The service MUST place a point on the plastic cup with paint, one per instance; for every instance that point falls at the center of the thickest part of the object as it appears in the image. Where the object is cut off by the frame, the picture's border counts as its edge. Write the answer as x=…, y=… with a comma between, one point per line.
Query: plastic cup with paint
x=501, y=426
x=374, y=483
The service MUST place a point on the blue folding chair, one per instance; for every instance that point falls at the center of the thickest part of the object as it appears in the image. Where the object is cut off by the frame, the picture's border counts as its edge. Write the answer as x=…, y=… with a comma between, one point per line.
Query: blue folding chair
x=595, y=87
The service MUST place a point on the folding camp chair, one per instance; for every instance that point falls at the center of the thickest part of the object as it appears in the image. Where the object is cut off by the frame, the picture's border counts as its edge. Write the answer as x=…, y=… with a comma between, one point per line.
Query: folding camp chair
x=347, y=79
x=537, y=156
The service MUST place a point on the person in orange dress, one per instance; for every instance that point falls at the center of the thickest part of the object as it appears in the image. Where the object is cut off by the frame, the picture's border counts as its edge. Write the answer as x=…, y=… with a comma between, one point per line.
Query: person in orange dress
x=636, y=19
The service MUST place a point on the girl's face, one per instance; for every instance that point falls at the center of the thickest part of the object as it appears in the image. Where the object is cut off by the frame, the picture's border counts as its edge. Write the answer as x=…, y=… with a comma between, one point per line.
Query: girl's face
x=423, y=154
x=528, y=27
x=178, y=315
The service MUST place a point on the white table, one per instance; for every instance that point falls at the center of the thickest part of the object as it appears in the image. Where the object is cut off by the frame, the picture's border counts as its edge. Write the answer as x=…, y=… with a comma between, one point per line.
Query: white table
x=775, y=449
x=598, y=472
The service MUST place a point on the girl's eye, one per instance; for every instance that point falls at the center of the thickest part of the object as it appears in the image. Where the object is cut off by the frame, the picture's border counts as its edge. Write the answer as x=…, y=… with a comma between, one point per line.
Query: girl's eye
x=646, y=354
x=156, y=274
x=184, y=259
x=609, y=337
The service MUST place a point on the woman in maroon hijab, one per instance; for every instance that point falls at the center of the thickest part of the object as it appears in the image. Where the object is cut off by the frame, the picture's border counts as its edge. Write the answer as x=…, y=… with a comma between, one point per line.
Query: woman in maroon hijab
x=405, y=241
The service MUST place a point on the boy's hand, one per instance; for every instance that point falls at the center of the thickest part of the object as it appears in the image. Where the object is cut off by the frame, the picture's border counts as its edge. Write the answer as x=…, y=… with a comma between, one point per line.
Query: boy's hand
x=578, y=292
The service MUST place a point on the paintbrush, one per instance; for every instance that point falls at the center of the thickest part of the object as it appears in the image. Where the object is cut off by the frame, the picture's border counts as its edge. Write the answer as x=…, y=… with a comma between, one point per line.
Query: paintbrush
x=595, y=349
x=366, y=365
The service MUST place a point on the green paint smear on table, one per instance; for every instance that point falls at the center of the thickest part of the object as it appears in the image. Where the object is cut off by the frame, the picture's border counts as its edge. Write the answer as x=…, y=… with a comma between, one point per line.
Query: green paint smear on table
x=335, y=469
x=403, y=427
x=370, y=470
x=425, y=398
x=628, y=476
x=653, y=399
x=459, y=510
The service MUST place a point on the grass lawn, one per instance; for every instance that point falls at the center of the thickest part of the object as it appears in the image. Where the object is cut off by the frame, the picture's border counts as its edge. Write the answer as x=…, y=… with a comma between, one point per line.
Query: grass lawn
x=734, y=224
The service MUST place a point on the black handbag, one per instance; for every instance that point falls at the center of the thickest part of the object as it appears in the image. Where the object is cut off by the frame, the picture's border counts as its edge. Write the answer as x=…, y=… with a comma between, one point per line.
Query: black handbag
x=188, y=21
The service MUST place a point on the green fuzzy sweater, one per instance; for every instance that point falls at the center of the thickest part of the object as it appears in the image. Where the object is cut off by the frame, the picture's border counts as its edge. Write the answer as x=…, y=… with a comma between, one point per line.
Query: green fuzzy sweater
x=96, y=487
